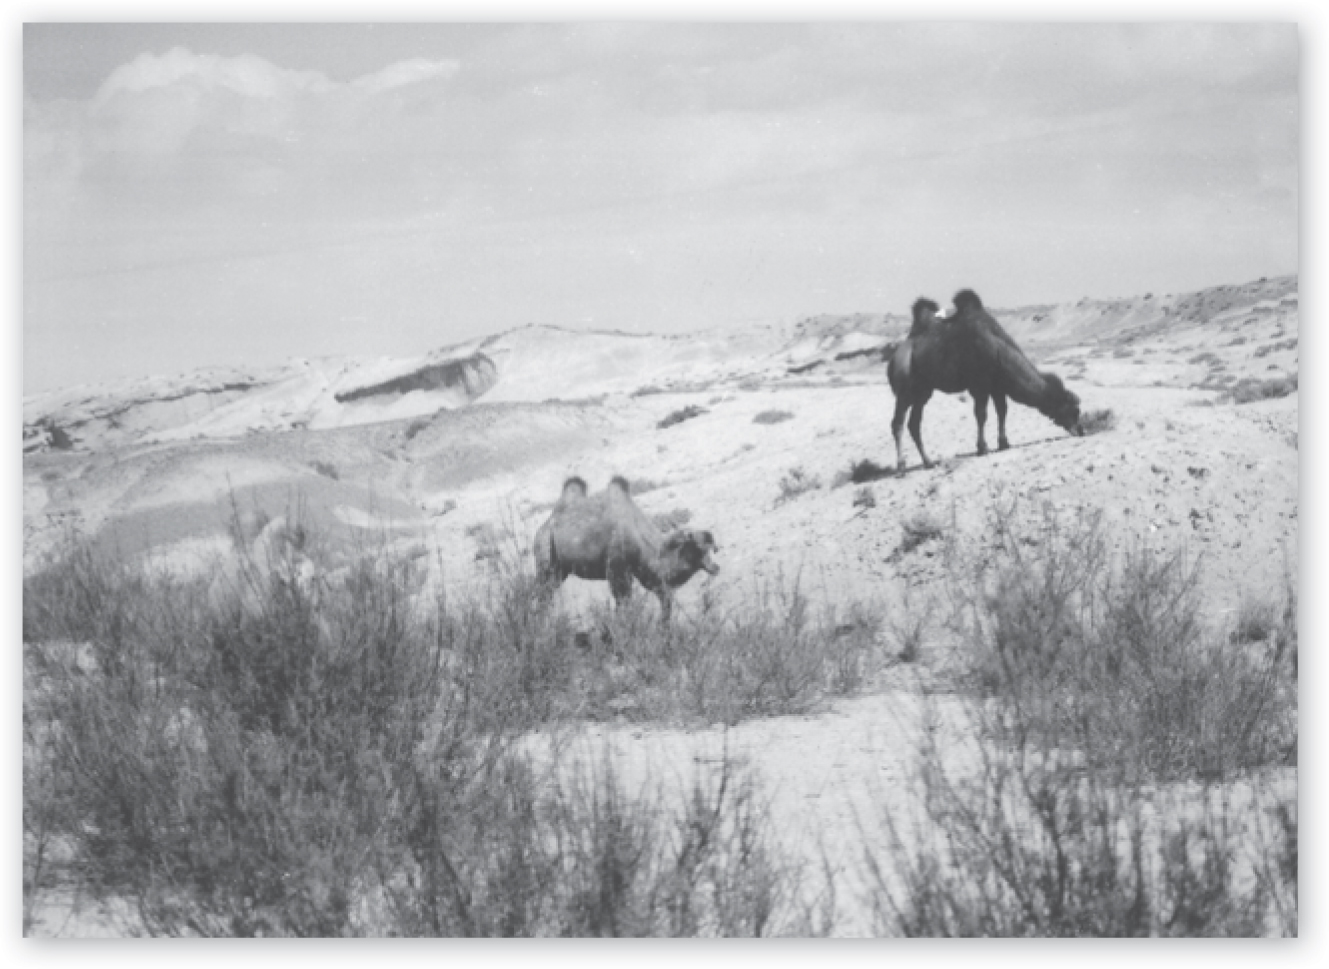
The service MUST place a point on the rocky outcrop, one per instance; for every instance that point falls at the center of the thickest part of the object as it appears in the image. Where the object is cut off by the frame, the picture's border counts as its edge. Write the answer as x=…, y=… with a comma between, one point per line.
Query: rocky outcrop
x=469, y=377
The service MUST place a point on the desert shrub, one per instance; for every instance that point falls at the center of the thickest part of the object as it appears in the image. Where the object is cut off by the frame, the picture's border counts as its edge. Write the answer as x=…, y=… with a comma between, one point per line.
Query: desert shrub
x=681, y=415
x=918, y=529
x=326, y=469
x=864, y=498
x=1097, y=421
x=1250, y=389
x=1096, y=684
x=861, y=472
x=639, y=486
x=488, y=543
x=415, y=427
x=279, y=753
x=1255, y=621
x=1106, y=655
x=796, y=482
x=772, y=417
x=1025, y=846
x=674, y=518
x=907, y=628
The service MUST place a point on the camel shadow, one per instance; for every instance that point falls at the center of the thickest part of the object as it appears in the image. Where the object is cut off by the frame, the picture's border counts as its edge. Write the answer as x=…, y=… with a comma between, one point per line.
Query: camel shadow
x=945, y=463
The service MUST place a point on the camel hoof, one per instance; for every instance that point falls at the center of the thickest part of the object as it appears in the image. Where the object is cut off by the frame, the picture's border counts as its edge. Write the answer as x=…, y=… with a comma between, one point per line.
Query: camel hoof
x=1003, y=445
x=982, y=450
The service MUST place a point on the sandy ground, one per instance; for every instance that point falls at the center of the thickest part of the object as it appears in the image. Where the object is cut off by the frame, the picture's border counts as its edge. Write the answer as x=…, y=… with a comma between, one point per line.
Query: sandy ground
x=1182, y=467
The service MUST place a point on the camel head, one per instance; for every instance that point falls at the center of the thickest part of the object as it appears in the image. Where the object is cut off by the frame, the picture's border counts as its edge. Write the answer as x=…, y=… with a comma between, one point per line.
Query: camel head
x=1062, y=405
x=685, y=552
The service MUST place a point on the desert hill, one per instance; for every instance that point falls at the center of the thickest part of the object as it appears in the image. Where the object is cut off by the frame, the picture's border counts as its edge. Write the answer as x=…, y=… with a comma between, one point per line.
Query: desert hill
x=438, y=450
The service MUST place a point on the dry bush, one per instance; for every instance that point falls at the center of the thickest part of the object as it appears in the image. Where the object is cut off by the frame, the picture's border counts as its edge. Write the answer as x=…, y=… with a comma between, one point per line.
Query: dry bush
x=1097, y=421
x=1249, y=389
x=674, y=518
x=796, y=482
x=772, y=416
x=861, y=472
x=680, y=415
x=640, y=486
x=1098, y=690
x=919, y=529
x=1027, y=846
x=1107, y=655
x=280, y=753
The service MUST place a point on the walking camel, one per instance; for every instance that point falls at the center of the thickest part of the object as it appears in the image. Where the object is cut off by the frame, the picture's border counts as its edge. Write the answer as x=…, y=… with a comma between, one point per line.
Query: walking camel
x=968, y=351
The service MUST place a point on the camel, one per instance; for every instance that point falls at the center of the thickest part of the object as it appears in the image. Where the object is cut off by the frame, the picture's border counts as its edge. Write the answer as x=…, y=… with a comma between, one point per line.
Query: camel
x=969, y=351
x=606, y=536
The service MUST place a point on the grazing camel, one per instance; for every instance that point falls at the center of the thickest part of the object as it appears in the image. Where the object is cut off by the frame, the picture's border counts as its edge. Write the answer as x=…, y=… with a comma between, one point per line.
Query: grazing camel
x=606, y=536
x=969, y=351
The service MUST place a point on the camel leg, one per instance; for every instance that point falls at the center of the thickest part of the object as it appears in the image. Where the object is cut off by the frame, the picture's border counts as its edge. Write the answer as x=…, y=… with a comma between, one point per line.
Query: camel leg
x=1000, y=401
x=897, y=429
x=620, y=583
x=666, y=605
x=548, y=579
x=981, y=416
x=916, y=430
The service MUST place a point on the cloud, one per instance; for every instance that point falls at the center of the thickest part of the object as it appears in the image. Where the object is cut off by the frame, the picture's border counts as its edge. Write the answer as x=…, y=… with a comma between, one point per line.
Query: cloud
x=767, y=165
x=245, y=75
x=404, y=73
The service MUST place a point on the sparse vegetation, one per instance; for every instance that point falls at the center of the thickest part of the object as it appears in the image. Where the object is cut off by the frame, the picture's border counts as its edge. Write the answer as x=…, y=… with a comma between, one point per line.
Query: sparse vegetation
x=338, y=755
x=674, y=518
x=1107, y=655
x=1249, y=389
x=1097, y=684
x=861, y=472
x=772, y=417
x=1097, y=421
x=326, y=469
x=1256, y=621
x=640, y=486
x=1268, y=348
x=796, y=482
x=919, y=529
x=680, y=415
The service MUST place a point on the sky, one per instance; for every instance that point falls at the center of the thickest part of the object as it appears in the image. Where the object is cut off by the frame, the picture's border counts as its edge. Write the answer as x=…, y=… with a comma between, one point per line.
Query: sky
x=240, y=194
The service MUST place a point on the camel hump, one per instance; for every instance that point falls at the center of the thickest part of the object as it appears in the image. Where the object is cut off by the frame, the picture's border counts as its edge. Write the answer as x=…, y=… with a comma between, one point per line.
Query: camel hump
x=967, y=299
x=924, y=308
x=620, y=483
x=574, y=487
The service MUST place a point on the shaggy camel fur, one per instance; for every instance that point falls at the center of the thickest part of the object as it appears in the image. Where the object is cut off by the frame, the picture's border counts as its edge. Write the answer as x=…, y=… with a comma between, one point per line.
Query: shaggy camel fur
x=606, y=536
x=969, y=351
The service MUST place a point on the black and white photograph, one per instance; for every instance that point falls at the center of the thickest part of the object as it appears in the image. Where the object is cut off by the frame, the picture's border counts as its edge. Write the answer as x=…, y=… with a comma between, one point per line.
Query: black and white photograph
x=637, y=477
